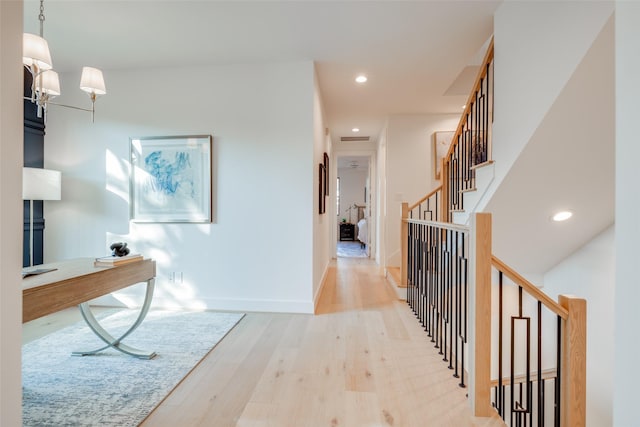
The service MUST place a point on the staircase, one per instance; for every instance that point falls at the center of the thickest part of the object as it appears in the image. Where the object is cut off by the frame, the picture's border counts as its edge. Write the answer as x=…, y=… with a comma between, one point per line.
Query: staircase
x=521, y=354
x=484, y=175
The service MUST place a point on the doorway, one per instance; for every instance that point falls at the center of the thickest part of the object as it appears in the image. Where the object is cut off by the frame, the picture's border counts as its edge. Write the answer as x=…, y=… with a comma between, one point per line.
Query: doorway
x=353, y=199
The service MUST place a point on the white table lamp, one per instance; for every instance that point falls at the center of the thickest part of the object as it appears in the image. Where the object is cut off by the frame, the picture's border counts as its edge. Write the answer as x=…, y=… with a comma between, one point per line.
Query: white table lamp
x=39, y=184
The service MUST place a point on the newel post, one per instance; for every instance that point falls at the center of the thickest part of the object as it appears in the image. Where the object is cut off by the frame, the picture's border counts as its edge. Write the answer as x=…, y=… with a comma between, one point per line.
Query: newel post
x=574, y=361
x=480, y=315
x=404, y=239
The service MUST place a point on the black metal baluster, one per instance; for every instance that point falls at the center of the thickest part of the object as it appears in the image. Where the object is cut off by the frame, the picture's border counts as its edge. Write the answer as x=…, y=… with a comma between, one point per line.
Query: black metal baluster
x=540, y=384
x=465, y=309
x=419, y=271
x=411, y=265
x=501, y=398
x=478, y=133
x=452, y=288
x=425, y=274
x=408, y=266
x=511, y=370
x=558, y=381
x=428, y=279
x=541, y=415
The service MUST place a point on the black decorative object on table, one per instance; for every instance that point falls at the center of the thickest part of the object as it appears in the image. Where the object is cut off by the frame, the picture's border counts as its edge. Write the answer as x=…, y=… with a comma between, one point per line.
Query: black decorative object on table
x=119, y=249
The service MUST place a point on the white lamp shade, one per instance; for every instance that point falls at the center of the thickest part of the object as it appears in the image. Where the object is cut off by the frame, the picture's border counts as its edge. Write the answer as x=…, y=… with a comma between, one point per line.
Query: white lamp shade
x=41, y=184
x=92, y=81
x=35, y=51
x=49, y=83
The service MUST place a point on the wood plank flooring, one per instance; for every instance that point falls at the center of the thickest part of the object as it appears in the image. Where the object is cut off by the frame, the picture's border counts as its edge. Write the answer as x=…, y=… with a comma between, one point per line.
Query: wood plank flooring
x=362, y=360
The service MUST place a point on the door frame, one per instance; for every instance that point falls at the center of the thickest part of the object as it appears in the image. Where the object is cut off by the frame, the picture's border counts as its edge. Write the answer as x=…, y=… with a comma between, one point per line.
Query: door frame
x=374, y=242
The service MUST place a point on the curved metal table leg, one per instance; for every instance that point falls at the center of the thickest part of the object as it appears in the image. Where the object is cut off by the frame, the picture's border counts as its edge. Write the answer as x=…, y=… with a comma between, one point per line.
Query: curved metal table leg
x=108, y=338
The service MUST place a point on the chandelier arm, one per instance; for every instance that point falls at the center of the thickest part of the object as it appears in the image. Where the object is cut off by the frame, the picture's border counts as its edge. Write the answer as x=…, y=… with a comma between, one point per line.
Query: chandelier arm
x=70, y=106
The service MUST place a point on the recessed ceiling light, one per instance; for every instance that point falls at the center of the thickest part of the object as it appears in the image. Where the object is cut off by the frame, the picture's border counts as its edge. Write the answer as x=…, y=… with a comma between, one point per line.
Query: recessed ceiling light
x=355, y=130
x=562, y=216
x=361, y=78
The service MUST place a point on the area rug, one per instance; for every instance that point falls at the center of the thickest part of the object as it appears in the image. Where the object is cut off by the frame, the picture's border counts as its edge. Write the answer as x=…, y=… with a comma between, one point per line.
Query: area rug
x=111, y=388
x=351, y=250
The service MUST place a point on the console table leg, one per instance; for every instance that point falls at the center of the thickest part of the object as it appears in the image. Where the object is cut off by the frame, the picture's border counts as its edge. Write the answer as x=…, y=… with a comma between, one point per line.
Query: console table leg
x=116, y=343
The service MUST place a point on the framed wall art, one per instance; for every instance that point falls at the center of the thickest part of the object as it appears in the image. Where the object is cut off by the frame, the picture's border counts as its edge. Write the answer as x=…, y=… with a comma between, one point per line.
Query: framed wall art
x=441, y=144
x=321, y=193
x=171, y=179
x=326, y=174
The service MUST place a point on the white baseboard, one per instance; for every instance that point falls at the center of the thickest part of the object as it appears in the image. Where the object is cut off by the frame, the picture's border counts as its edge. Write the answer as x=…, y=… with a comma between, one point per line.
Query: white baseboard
x=224, y=304
x=323, y=282
x=401, y=292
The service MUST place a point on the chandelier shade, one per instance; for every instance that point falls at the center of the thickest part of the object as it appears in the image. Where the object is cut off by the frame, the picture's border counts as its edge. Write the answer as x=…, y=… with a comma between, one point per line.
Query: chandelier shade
x=35, y=52
x=92, y=81
x=50, y=84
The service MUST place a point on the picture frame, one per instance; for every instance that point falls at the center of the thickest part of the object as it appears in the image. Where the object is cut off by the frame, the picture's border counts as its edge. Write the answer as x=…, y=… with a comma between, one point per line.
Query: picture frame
x=321, y=192
x=326, y=174
x=441, y=143
x=170, y=179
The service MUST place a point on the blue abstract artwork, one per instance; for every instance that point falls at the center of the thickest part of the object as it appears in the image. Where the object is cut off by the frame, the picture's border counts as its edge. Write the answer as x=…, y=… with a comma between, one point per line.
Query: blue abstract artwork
x=171, y=179
x=170, y=176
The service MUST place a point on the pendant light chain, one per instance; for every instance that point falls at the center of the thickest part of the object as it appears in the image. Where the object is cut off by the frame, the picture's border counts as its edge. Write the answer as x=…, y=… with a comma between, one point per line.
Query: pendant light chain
x=41, y=18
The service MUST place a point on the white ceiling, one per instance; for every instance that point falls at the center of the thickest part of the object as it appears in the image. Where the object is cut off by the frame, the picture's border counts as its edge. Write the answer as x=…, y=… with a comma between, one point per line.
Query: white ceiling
x=353, y=162
x=420, y=57
x=412, y=51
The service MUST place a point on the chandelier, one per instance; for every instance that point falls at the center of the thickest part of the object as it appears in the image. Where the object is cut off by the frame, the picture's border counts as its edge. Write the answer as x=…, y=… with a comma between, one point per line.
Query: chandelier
x=45, y=83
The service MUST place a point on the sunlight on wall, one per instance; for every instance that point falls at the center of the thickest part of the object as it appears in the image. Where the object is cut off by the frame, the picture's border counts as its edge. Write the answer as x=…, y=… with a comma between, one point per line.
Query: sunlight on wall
x=169, y=295
x=152, y=240
x=117, y=176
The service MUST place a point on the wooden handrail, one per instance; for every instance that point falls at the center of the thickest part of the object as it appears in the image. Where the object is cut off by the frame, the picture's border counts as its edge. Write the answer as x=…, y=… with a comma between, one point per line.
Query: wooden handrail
x=424, y=199
x=442, y=225
x=529, y=287
x=467, y=109
x=546, y=374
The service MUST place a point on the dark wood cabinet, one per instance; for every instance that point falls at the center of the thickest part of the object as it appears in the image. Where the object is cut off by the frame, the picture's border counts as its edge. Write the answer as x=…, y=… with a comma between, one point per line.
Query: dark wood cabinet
x=347, y=231
x=33, y=158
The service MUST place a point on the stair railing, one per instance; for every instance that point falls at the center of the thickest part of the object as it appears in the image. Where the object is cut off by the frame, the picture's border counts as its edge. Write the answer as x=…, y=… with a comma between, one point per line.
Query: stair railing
x=429, y=208
x=471, y=144
x=438, y=287
x=551, y=337
x=470, y=148
x=452, y=283
x=449, y=270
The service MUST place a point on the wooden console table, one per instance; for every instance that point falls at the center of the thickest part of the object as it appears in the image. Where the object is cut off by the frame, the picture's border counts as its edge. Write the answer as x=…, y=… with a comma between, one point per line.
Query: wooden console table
x=77, y=281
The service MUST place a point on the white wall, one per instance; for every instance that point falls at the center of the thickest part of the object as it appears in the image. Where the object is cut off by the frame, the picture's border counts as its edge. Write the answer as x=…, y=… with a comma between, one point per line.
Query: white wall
x=322, y=241
x=627, y=293
x=352, y=184
x=409, y=169
x=258, y=253
x=590, y=274
x=11, y=225
x=529, y=75
x=381, y=205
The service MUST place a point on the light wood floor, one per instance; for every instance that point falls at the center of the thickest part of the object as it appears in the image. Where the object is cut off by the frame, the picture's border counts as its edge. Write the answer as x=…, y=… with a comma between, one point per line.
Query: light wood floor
x=362, y=360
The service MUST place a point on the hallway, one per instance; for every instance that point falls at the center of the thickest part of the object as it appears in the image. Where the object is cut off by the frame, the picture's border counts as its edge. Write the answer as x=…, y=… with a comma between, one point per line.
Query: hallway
x=363, y=360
